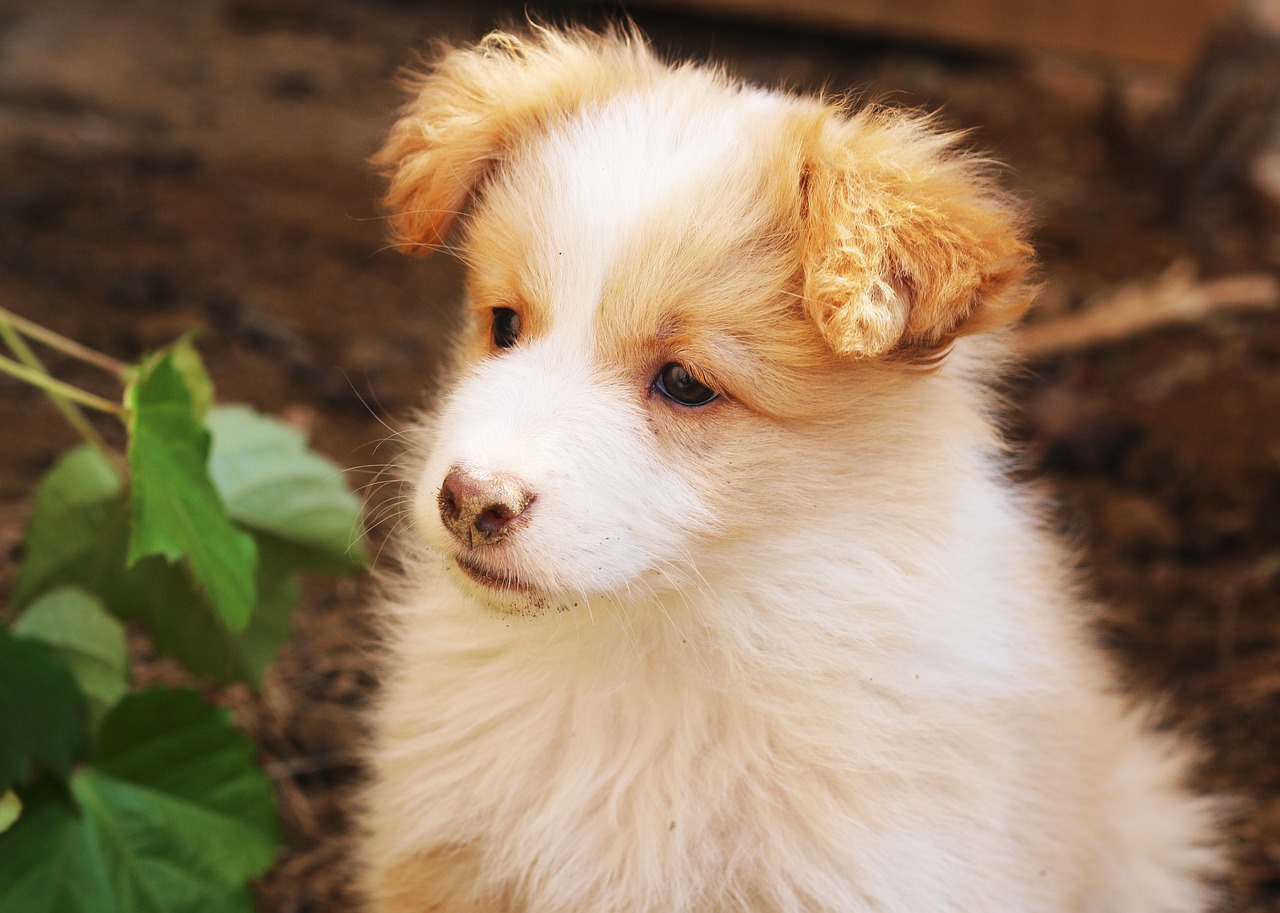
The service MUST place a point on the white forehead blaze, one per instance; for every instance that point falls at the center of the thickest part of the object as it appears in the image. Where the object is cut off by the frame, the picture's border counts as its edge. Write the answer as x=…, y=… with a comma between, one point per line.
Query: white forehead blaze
x=598, y=187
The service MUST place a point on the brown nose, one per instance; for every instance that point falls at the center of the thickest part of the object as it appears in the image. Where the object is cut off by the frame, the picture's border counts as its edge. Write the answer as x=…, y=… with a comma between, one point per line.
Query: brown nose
x=480, y=508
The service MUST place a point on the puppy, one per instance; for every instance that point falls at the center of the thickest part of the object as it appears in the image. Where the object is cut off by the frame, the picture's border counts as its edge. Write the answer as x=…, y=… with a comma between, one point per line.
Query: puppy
x=718, y=597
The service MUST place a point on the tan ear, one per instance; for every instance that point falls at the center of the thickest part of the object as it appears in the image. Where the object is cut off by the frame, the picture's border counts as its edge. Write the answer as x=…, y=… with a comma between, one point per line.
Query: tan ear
x=473, y=104
x=908, y=241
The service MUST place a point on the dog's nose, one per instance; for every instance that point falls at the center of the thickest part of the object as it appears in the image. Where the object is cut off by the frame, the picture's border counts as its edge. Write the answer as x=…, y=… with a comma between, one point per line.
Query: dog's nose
x=480, y=508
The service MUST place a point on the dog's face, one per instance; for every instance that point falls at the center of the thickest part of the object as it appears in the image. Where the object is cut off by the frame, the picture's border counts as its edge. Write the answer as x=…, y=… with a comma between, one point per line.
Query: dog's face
x=685, y=297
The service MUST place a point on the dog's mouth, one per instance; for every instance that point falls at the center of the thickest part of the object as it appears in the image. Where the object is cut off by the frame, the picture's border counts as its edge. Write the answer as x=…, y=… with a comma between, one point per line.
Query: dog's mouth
x=501, y=581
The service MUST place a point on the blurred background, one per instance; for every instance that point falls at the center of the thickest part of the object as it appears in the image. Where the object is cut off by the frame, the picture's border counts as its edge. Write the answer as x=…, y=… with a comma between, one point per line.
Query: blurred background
x=201, y=165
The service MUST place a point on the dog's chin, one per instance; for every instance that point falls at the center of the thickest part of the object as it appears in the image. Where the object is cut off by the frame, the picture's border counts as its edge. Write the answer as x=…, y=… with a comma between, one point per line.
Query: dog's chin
x=500, y=590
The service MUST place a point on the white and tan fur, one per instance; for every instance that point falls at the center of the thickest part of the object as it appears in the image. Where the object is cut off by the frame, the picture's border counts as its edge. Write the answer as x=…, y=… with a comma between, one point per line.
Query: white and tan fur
x=802, y=648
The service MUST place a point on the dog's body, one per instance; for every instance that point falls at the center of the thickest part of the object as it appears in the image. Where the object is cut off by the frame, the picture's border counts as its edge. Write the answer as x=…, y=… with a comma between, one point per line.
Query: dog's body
x=728, y=604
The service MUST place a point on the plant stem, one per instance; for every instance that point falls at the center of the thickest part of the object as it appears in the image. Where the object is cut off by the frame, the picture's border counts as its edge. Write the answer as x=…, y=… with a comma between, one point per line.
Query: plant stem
x=53, y=386
x=62, y=343
x=75, y=418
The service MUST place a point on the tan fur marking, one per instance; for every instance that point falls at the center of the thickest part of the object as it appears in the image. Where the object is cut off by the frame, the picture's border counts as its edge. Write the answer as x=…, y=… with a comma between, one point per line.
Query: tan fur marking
x=909, y=243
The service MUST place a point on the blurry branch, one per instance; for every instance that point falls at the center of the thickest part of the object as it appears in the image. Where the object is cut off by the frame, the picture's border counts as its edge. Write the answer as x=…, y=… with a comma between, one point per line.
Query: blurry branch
x=62, y=343
x=65, y=397
x=1173, y=297
x=55, y=388
x=61, y=399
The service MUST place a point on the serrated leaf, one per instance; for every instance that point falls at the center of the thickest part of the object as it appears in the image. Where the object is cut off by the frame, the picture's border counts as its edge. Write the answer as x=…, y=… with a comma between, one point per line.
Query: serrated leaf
x=10, y=810
x=174, y=818
x=42, y=712
x=182, y=624
x=177, y=512
x=272, y=483
x=78, y=536
x=90, y=642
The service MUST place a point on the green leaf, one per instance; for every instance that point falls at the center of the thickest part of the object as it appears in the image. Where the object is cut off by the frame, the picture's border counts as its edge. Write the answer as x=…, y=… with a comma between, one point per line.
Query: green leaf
x=78, y=536
x=197, y=636
x=42, y=713
x=255, y=650
x=273, y=484
x=27, y=882
x=10, y=810
x=189, y=364
x=74, y=502
x=176, y=510
x=90, y=642
x=174, y=818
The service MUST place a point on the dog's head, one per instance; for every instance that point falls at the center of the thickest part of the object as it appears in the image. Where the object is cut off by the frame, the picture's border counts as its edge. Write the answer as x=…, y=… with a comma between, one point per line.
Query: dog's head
x=692, y=302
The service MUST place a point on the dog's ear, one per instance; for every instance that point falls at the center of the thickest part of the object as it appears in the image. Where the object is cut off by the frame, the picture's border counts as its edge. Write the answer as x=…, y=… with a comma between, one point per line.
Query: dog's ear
x=908, y=242
x=474, y=103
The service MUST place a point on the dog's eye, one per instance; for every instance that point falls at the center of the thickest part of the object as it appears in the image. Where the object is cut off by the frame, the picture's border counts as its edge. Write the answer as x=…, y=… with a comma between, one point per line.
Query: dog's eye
x=678, y=385
x=506, y=327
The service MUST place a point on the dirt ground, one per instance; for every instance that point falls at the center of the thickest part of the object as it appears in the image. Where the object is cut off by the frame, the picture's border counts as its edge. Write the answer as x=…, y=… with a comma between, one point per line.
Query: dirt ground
x=169, y=166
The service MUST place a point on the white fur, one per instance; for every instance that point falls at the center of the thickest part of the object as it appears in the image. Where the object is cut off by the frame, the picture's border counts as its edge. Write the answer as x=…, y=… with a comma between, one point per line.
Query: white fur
x=839, y=669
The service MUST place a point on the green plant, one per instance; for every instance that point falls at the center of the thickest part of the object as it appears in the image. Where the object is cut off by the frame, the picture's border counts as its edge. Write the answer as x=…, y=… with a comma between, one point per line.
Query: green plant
x=112, y=800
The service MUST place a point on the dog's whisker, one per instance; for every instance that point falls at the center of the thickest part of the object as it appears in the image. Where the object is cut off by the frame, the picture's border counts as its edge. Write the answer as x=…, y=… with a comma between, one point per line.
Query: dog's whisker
x=393, y=514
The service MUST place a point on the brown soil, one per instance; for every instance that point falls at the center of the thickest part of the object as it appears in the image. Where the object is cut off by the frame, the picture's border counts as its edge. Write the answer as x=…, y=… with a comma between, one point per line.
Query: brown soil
x=168, y=166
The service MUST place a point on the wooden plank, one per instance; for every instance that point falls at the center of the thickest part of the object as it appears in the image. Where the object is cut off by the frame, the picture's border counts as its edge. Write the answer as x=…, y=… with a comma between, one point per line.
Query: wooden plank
x=1164, y=32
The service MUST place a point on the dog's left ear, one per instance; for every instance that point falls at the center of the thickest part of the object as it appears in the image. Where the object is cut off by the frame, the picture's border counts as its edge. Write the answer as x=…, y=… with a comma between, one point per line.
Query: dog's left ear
x=908, y=242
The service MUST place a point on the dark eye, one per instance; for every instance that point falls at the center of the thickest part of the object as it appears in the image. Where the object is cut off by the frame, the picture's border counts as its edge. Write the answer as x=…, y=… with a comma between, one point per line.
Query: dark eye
x=506, y=327
x=678, y=385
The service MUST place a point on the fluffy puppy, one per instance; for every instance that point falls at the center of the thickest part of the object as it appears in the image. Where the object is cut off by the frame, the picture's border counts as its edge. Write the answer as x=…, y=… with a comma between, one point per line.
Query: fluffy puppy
x=718, y=597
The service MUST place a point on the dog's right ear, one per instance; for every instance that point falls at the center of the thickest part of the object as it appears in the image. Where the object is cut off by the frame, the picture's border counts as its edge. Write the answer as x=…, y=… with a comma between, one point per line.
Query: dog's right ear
x=473, y=104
